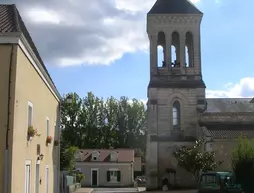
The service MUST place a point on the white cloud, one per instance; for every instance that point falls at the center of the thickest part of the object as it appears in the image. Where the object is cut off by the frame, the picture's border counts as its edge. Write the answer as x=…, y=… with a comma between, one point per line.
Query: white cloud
x=74, y=32
x=244, y=88
x=38, y=15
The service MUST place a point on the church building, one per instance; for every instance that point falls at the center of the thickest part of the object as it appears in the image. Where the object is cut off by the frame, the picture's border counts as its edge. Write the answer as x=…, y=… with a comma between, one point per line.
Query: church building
x=178, y=110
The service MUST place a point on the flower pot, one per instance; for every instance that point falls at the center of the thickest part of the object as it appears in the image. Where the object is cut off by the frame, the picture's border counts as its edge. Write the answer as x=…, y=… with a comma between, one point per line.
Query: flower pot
x=49, y=139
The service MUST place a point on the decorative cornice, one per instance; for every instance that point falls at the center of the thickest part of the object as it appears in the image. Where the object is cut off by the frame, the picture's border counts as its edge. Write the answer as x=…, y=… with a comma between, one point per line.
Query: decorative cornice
x=227, y=114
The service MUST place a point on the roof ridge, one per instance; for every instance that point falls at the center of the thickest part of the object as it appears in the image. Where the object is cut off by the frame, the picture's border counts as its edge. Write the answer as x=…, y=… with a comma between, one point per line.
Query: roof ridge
x=16, y=18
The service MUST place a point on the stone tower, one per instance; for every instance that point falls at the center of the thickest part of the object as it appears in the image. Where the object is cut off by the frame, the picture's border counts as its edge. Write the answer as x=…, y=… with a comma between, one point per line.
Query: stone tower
x=176, y=91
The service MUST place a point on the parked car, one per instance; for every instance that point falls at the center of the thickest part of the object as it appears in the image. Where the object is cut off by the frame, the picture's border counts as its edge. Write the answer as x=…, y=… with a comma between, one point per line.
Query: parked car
x=218, y=182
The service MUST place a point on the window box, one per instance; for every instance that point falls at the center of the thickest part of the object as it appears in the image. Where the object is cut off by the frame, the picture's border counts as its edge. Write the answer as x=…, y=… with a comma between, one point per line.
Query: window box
x=31, y=132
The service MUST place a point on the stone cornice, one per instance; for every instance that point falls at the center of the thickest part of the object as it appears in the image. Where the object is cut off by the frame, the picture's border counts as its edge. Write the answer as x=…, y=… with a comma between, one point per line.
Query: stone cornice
x=227, y=114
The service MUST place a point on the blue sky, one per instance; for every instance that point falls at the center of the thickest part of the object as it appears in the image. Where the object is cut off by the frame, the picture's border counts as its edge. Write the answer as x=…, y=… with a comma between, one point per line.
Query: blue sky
x=120, y=66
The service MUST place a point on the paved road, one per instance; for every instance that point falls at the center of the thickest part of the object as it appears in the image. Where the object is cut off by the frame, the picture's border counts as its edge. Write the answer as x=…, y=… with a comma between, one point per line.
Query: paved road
x=127, y=190
x=115, y=190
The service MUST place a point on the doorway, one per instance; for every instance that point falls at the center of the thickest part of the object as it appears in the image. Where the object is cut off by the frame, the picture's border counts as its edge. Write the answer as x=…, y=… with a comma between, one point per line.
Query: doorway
x=37, y=178
x=94, y=177
x=27, y=176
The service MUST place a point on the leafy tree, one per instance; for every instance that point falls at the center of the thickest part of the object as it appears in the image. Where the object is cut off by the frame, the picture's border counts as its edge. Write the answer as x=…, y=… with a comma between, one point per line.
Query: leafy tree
x=242, y=161
x=92, y=122
x=193, y=159
x=67, y=161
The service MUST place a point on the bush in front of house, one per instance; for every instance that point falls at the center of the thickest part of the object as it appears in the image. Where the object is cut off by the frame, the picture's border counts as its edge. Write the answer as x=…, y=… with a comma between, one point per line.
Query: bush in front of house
x=80, y=177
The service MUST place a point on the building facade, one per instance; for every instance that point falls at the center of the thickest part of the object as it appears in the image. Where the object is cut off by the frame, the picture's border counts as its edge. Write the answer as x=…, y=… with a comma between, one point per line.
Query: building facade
x=29, y=113
x=178, y=112
x=107, y=167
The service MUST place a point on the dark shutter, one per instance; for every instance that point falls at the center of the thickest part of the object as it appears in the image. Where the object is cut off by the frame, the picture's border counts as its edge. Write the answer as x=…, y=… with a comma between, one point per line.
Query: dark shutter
x=108, y=176
x=118, y=176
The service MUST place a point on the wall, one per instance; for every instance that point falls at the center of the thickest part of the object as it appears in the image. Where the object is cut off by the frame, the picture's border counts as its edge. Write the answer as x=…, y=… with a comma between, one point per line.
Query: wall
x=30, y=87
x=7, y=55
x=223, y=149
x=137, y=164
x=160, y=123
x=125, y=168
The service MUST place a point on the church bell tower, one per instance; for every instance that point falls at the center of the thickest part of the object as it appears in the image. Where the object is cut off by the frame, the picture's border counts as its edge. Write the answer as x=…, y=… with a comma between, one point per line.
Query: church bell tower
x=176, y=91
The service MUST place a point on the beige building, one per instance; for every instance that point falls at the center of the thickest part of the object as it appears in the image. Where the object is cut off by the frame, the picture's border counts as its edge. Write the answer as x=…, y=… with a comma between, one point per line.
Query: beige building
x=29, y=112
x=107, y=167
x=178, y=111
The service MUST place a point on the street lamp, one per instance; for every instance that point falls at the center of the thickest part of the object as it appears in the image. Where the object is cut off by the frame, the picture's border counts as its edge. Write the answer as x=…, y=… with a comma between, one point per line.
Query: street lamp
x=69, y=98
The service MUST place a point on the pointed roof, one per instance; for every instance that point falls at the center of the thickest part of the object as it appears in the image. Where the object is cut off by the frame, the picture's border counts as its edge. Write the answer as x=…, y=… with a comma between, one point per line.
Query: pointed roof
x=174, y=7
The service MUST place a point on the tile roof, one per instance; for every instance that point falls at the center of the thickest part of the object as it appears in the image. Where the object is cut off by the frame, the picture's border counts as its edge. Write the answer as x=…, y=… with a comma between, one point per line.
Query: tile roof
x=174, y=7
x=123, y=155
x=237, y=105
x=11, y=21
x=230, y=133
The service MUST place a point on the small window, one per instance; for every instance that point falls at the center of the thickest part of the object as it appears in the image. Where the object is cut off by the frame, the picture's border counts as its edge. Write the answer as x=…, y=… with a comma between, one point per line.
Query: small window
x=47, y=127
x=95, y=156
x=30, y=114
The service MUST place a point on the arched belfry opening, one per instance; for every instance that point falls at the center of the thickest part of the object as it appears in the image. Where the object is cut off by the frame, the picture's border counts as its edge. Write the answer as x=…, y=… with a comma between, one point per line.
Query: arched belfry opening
x=175, y=50
x=176, y=112
x=161, y=48
x=189, y=51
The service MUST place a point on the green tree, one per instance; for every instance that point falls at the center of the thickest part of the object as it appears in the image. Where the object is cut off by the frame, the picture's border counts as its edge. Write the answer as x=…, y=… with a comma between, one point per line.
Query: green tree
x=194, y=160
x=67, y=158
x=92, y=122
x=242, y=161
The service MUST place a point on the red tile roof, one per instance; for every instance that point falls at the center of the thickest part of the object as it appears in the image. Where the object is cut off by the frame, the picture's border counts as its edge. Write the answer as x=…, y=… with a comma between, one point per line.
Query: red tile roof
x=123, y=155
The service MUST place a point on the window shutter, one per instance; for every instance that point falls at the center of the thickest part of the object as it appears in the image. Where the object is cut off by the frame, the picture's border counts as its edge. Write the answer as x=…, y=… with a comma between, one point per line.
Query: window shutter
x=108, y=176
x=118, y=176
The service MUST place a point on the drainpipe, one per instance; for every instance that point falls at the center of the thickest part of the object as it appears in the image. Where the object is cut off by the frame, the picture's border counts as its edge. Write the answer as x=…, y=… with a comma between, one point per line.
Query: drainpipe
x=59, y=138
x=6, y=153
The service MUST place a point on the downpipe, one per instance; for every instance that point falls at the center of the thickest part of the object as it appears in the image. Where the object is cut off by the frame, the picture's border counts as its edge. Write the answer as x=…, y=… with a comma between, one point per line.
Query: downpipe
x=6, y=153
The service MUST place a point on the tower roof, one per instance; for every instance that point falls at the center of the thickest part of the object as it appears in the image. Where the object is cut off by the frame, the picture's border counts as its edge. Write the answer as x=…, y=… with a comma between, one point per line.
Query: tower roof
x=174, y=7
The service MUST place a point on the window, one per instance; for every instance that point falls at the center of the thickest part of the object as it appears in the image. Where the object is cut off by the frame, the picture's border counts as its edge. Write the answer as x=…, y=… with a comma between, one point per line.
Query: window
x=113, y=175
x=30, y=114
x=209, y=147
x=176, y=113
x=47, y=127
x=207, y=179
x=95, y=155
x=47, y=179
x=113, y=156
x=28, y=176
